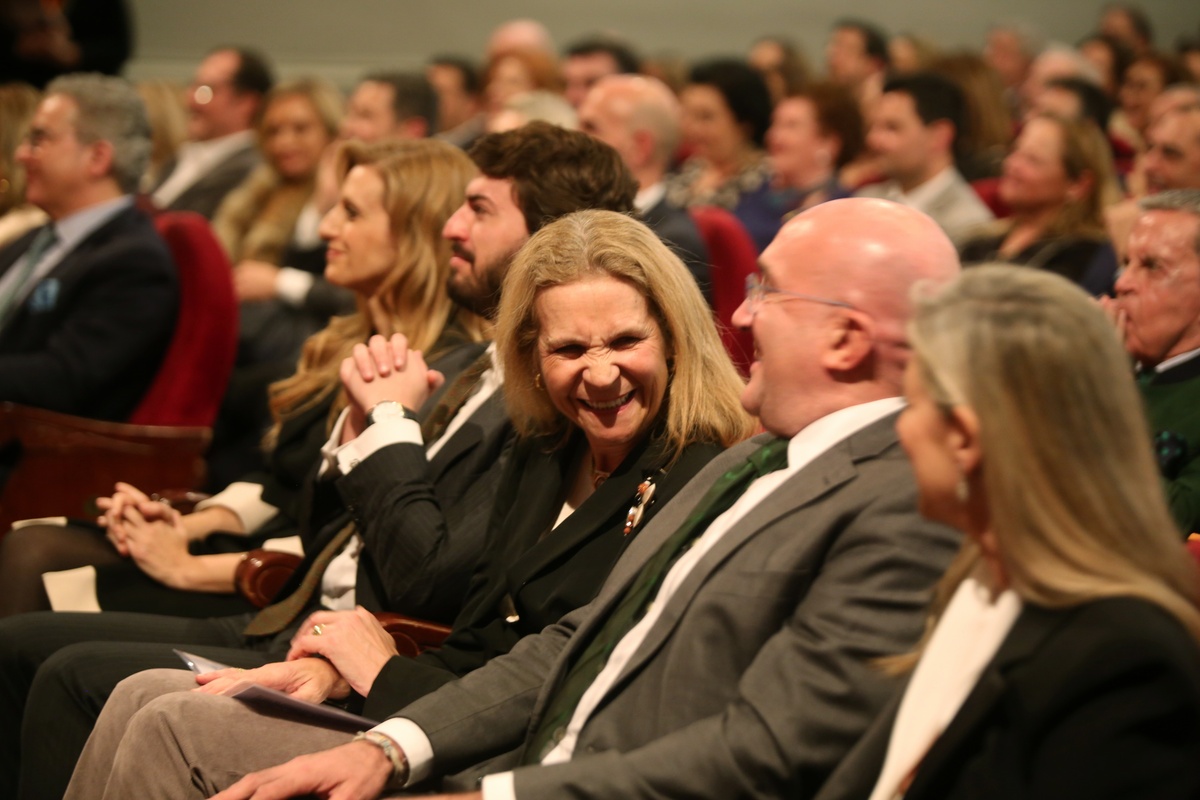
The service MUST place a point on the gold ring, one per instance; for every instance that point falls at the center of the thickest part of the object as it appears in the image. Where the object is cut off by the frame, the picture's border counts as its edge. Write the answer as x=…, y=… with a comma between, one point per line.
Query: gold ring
x=317, y=630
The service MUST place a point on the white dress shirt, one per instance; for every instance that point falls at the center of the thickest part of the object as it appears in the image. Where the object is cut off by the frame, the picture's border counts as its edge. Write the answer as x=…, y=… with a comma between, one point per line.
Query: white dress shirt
x=197, y=159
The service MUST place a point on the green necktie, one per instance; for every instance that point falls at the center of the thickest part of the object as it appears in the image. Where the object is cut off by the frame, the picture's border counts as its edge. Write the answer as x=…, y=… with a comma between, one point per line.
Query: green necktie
x=44, y=240
x=633, y=605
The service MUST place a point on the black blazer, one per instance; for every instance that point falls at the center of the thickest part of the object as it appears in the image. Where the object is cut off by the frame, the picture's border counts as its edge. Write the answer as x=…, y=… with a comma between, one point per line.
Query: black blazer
x=89, y=339
x=1098, y=701
x=530, y=575
x=675, y=227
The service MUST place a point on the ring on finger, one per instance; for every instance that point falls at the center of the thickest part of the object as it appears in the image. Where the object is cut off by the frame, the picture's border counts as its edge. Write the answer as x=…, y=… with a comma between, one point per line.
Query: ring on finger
x=317, y=630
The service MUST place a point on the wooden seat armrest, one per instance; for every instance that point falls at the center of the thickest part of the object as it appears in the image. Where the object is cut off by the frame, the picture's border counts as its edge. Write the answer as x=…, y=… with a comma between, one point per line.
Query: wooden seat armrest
x=412, y=636
x=262, y=573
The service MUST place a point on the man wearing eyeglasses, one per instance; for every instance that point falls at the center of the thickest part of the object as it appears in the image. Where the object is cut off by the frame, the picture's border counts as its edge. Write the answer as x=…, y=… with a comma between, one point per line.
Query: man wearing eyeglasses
x=732, y=650
x=224, y=103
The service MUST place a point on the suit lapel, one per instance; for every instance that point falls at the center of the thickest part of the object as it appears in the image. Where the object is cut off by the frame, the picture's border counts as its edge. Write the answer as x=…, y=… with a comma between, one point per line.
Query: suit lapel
x=831, y=469
x=1028, y=633
x=488, y=417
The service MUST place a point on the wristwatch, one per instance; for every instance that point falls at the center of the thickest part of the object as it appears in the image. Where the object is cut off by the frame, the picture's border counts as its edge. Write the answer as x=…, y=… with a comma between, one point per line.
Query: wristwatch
x=388, y=409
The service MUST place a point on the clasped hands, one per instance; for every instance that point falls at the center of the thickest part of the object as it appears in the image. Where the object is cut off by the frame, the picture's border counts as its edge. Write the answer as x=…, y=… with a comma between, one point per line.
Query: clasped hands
x=351, y=648
x=384, y=369
x=150, y=532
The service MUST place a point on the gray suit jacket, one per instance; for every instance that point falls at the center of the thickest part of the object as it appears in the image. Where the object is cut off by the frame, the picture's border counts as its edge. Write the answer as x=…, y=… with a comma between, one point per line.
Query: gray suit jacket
x=758, y=677
x=205, y=195
x=957, y=208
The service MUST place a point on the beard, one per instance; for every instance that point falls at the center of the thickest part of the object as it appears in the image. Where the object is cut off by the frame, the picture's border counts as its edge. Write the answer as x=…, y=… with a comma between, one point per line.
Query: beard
x=478, y=290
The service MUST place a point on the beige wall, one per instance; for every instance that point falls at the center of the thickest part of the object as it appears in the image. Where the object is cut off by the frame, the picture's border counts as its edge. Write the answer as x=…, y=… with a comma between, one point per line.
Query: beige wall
x=341, y=38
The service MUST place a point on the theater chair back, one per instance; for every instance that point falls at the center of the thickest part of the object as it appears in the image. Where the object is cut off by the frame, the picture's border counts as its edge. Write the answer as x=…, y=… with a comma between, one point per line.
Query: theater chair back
x=199, y=360
x=732, y=256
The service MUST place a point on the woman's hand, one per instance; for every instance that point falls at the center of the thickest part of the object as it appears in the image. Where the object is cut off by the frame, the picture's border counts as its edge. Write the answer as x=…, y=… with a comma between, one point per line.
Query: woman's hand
x=155, y=538
x=353, y=641
x=311, y=679
x=255, y=280
x=385, y=369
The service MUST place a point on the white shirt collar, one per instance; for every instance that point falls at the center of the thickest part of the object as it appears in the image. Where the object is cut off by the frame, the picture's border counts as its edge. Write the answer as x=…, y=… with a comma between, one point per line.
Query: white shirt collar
x=922, y=195
x=1175, y=361
x=650, y=196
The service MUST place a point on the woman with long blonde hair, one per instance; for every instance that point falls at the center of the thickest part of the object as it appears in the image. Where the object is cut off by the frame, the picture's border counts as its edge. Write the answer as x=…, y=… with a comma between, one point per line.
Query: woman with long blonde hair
x=385, y=246
x=1066, y=659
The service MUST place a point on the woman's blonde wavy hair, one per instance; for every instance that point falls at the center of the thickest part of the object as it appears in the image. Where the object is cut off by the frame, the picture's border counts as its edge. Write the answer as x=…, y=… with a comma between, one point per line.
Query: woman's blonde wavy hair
x=1076, y=503
x=703, y=396
x=424, y=182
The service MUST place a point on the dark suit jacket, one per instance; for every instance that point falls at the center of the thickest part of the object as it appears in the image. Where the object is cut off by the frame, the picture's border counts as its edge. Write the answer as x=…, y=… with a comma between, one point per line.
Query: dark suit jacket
x=1097, y=701
x=205, y=195
x=89, y=339
x=531, y=576
x=675, y=227
x=760, y=673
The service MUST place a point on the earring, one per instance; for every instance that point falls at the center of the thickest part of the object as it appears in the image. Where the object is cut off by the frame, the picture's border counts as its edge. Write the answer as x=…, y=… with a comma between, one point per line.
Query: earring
x=537, y=382
x=961, y=490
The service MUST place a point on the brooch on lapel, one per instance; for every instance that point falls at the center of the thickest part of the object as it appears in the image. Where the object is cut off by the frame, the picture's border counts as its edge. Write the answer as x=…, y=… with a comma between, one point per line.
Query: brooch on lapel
x=645, y=495
x=45, y=296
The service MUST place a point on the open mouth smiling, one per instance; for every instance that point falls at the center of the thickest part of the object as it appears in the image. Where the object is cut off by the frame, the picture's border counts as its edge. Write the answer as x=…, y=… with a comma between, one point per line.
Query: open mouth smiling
x=608, y=405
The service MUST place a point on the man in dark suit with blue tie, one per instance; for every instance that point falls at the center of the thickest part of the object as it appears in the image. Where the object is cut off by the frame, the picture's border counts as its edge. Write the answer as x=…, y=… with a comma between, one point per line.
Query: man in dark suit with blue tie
x=87, y=301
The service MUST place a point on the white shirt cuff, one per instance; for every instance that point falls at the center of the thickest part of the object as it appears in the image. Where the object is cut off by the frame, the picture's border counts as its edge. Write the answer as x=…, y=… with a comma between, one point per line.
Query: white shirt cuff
x=345, y=457
x=292, y=285
x=415, y=744
x=244, y=499
x=501, y=786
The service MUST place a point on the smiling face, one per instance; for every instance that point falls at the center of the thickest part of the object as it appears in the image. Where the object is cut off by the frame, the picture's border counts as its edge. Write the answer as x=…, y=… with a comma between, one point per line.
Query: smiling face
x=1159, y=287
x=603, y=361
x=294, y=136
x=709, y=125
x=485, y=233
x=1034, y=177
x=362, y=249
x=799, y=152
x=57, y=165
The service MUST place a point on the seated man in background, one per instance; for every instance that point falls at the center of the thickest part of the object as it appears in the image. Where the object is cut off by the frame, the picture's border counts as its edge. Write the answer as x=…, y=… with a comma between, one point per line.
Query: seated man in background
x=639, y=118
x=733, y=647
x=223, y=105
x=1157, y=311
x=914, y=131
x=87, y=301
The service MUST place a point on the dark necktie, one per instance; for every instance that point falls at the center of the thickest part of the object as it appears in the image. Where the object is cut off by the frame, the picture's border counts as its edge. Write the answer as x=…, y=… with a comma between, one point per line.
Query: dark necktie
x=277, y=616
x=42, y=242
x=633, y=605
x=453, y=400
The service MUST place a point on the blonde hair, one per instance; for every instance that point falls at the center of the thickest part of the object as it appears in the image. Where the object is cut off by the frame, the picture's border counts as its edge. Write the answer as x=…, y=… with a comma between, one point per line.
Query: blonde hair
x=1084, y=151
x=18, y=102
x=424, y=182
x=168, y=123
x=1075, y=499
x=703, y=396
x=256, y=220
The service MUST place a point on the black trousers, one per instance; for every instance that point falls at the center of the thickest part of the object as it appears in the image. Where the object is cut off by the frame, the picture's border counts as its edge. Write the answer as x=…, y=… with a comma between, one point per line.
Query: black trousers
x=57, y=670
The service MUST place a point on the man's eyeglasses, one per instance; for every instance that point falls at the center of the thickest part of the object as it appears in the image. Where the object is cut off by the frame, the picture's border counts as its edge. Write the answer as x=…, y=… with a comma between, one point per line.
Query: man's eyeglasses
x=756, y=292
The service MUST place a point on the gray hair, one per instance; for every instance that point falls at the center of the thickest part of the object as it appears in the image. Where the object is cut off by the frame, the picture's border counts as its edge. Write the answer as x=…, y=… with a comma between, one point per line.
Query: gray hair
x=1185, y=200
x=110, y=110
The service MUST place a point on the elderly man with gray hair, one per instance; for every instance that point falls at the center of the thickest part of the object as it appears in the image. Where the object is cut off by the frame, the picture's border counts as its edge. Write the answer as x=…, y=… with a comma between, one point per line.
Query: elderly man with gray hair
x=1157, y=311
x=87, y=301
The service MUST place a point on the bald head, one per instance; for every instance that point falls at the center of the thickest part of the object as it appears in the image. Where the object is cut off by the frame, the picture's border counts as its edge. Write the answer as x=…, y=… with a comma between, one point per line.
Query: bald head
x=520, y=34
x=842, y=342
x=638, y=116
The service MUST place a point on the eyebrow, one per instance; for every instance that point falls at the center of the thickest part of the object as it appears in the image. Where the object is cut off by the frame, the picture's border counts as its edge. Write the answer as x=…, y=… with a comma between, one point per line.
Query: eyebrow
x=632, y=331
x=480, y=199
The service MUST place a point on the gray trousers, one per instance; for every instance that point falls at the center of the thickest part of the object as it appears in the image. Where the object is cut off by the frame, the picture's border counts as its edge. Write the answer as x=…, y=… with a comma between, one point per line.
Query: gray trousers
x=155, y=738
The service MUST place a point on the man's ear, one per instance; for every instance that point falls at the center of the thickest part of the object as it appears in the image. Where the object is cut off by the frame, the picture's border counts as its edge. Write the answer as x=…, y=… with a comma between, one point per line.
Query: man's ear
x=850, y=339
x=643, y=145
x=943, y=133
x=414, y=128
x=100, y=159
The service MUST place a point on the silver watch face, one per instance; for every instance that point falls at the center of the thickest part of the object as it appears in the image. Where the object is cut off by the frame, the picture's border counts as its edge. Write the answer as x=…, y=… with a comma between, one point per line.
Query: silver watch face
x=388, y=409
